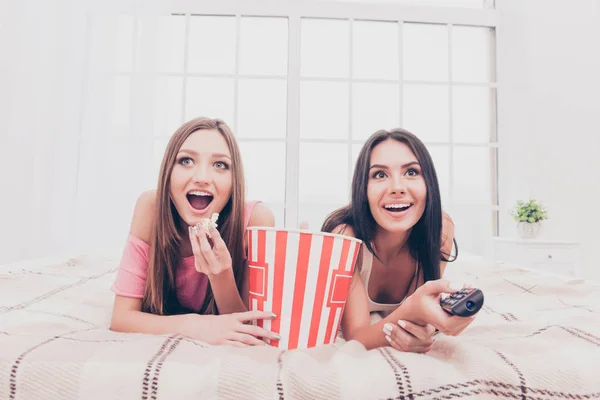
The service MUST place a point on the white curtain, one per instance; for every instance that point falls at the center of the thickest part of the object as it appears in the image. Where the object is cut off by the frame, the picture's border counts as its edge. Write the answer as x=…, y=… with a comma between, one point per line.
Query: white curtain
x=80, y=116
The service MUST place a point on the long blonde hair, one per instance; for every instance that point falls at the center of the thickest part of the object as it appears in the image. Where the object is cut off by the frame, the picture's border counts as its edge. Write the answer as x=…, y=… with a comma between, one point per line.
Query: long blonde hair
x=165, y=255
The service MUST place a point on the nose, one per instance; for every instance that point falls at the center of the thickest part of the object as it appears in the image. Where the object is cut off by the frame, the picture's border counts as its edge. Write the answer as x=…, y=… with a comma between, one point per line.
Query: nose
x=397, y=185
x=201, y=175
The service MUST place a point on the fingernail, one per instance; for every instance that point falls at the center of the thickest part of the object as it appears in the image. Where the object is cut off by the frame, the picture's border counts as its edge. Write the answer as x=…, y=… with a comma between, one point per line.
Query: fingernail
x=455, y=286
x=389, y=339
x=277, y=337
x=402, y=323
x=387, y=328
x=273, y=315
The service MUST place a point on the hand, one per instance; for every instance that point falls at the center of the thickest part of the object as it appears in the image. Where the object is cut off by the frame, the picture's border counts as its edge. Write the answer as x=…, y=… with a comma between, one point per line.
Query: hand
x=210, y=260
x=231, y=329
x=409, y=337
x=424, y=308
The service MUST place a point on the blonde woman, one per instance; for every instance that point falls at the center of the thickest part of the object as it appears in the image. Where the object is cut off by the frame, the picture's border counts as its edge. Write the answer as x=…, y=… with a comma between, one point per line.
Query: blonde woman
x=175, y=279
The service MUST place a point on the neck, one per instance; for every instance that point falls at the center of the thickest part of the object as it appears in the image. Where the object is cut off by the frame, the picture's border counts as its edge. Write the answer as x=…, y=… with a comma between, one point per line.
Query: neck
x=389, y=244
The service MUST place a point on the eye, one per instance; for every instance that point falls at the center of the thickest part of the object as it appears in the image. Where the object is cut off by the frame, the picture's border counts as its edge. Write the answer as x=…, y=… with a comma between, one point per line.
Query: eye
x=412, y=172
x=187, y=161
x=379, y=175
x=221, y=165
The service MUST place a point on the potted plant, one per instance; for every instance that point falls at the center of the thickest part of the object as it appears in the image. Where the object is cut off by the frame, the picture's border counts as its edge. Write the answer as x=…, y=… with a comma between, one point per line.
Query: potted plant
x=529, y=216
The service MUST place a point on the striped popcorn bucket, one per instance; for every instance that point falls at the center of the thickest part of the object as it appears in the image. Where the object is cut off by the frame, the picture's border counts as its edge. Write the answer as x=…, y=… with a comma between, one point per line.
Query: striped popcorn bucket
x=304, y=278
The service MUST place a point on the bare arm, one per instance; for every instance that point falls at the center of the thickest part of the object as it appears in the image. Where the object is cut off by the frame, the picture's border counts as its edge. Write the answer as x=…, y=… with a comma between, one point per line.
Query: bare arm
x=128, y=317
x=227, y=297
x=127, y=313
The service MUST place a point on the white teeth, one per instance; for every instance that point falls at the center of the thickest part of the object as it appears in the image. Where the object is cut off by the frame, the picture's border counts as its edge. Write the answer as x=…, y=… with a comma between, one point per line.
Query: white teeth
x=198, y=193
x=397, y=205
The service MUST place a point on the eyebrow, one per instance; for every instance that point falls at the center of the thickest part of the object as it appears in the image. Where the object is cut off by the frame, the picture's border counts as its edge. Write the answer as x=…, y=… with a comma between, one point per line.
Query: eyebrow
x=195, y=153
x=386, y=167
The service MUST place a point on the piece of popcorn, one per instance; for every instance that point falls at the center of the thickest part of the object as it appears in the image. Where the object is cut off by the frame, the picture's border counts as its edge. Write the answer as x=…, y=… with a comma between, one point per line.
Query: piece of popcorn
x=206, y=223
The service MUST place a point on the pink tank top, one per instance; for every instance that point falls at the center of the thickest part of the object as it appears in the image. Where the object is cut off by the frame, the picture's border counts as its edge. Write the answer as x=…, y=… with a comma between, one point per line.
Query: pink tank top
x=191, y=285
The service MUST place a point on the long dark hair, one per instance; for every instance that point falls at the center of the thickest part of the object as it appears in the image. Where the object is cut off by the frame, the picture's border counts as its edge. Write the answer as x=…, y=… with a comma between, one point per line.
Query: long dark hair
x=424, y=242
x=160, y=297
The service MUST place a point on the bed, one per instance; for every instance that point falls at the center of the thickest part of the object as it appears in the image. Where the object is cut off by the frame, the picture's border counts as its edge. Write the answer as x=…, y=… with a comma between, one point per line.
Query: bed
x=537, y=337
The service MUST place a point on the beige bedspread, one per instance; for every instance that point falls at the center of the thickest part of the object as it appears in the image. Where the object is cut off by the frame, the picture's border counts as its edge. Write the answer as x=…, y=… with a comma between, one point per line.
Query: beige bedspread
x=537, y=337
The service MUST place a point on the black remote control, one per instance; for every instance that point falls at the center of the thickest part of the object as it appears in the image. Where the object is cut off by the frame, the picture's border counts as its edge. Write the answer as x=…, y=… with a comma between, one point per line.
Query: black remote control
x=464, y=303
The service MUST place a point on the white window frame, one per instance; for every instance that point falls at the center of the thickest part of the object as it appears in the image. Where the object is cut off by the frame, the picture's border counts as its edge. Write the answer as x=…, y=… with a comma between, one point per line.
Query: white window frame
x=294, y=11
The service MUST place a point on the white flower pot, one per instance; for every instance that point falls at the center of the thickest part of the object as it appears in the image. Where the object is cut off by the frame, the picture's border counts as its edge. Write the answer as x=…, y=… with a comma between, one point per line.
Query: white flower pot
x=528, y=230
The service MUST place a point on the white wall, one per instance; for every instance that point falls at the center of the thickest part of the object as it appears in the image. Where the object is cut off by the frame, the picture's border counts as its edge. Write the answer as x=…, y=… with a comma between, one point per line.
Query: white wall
x=549, y=116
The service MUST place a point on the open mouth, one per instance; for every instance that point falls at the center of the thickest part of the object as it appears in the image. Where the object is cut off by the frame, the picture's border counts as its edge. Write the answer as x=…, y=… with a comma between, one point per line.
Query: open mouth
x=397, y=207
x=199, y=200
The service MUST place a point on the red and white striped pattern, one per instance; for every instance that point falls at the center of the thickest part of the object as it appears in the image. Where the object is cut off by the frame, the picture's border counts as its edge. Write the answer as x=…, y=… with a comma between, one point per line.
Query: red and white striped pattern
x=304, y=279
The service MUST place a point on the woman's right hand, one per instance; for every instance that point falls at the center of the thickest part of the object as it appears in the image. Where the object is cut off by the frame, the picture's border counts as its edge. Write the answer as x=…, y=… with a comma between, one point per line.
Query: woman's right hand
x=423, y=307
x=232, y=329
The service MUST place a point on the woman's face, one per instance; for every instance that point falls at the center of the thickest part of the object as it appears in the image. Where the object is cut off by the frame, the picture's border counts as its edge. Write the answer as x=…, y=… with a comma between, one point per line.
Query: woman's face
x=201, y=179
x=396, y=189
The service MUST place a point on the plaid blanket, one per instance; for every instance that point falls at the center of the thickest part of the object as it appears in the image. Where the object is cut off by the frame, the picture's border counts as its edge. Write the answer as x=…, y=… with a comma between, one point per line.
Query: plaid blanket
x=537, y=337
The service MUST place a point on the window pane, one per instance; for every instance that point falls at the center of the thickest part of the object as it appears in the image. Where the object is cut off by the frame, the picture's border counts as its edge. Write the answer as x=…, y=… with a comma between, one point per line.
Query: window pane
x=441, y=162
x=167, y=105
x=325, y=46
x=323, y=173
x=425, y=52
x=211, y=47
x=315, y=214
x=264, y=168
x=472, y=229
x=472, y=54
x=425, y=112
x=160, y=145
x=324, y=110
x=210, y=97
x=121, y=100
x=375, y=61
x=440, y=3
x=472, y=120
x=163, y=42
x=263, y=46
x=262, y=108
x=375, y=106
x=472, y=173
x=123, y=44
x=355, y=152
x=278, y=211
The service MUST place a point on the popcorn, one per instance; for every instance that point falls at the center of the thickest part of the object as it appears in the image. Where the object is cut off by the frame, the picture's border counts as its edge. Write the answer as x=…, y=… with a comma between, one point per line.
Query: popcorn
x=206, y=223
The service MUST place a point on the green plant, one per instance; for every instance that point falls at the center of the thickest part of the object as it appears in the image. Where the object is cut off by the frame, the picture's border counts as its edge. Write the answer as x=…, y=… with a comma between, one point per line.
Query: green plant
x=530, y=211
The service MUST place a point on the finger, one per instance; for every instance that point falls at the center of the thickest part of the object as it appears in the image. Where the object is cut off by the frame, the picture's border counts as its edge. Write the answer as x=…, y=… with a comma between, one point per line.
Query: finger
x=254, y=315
x=439, y=286
x=235, y=344
x=200, y=261
x=421, y=332
x=219, y=243
x=402, y=337
x=206, y=249
x=409, y=340
x=402, y=347
x=259, y=332
x=247, y=339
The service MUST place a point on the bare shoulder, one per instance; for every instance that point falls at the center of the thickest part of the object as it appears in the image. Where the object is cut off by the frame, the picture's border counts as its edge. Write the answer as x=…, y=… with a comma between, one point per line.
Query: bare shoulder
x=261, y=216
x=143, y=216
x=447, y=220
x=344, y=229
x=447, y=230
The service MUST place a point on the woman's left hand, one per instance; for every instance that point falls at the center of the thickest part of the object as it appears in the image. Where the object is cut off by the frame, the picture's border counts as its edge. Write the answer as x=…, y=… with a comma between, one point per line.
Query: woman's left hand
x=409, y=337
x=211, y=261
